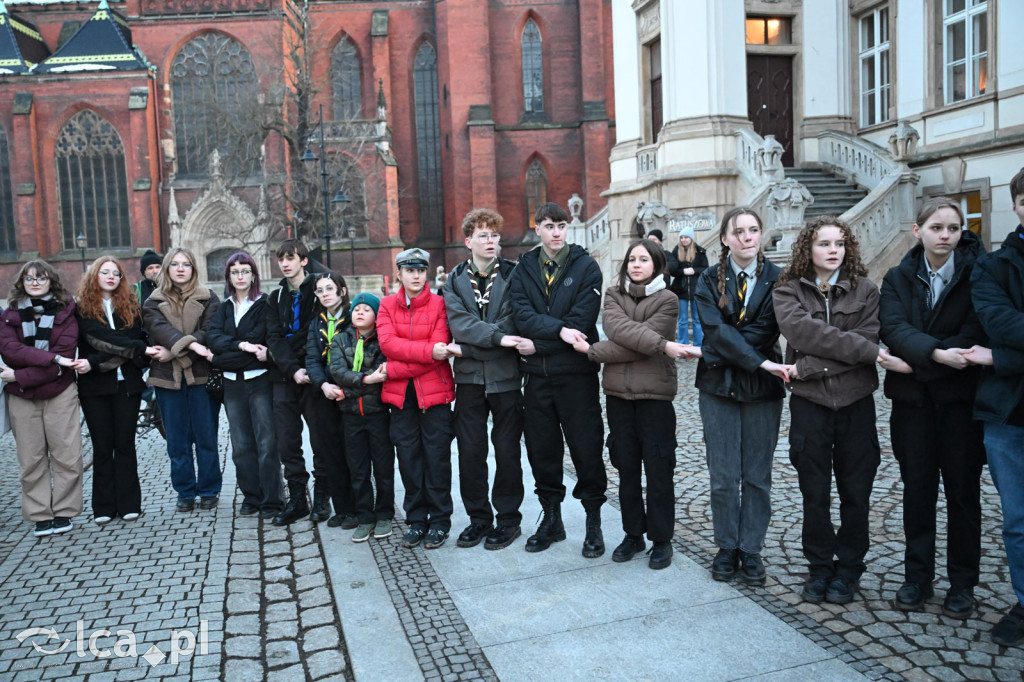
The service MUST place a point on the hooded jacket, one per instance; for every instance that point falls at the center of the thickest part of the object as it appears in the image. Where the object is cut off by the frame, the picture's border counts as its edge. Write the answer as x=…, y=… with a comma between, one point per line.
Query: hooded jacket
x=998, y=295
x=36, y=376
x=174, y=331
x=484, y=360
x=575, y=302
x=408, y=333
x=832, y=340
x=638, y=323
x=912, y=330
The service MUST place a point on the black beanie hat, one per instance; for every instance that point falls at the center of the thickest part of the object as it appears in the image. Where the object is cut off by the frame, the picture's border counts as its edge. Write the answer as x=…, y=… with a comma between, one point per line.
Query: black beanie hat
x=151, y=257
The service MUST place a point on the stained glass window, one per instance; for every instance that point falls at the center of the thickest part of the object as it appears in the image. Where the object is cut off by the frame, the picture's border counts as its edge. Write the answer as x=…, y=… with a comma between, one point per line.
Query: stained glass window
x=536, y=189
x=533, y=69
x=8, y=243
x=428, y=143
x=346, y=81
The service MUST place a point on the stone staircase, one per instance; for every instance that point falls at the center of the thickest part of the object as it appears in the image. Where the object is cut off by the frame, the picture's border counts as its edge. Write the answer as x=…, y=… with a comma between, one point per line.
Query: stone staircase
x=832, y=195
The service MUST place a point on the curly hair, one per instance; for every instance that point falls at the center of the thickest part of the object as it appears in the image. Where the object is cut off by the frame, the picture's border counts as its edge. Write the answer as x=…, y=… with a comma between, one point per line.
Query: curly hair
x=483, y=218
x=801, y=263
x=658, y=259
x=40, y=267
x=90, y=298
x=728, y=222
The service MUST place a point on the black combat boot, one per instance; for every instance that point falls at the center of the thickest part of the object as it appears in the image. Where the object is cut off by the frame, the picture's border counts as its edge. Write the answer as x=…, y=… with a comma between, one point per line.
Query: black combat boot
x=297, y=507
x=593, y=544
x=550, y=528
x=321, y=502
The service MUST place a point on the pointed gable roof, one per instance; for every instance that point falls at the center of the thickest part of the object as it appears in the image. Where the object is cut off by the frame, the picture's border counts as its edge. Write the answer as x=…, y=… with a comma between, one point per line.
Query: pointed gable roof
x=102, y=43
x=21, y=46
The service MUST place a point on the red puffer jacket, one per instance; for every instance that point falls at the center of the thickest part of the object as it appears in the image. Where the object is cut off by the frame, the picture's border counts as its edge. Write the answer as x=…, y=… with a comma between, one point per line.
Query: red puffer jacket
x=407, y=337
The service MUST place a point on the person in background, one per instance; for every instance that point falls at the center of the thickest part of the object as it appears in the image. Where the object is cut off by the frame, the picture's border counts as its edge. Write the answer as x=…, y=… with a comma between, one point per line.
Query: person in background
x=657, y=236
x=238, y=337
x=110, y=384
x=150, y=265
x=176, y=318
x=38, y=337
x=686, y=262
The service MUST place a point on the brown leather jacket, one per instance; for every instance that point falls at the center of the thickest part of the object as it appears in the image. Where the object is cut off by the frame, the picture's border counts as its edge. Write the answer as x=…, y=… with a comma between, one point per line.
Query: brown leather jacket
x=638, y=324
x=833, y=342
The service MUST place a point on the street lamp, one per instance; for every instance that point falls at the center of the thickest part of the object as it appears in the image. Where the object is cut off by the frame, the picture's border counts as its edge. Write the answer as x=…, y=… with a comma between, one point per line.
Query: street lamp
x=339, y=197
x=80, y=243
x=352, y=248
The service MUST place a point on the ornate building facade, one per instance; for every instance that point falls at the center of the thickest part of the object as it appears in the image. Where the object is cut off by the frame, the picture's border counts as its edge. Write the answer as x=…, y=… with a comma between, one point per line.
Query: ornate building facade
x=146, y=123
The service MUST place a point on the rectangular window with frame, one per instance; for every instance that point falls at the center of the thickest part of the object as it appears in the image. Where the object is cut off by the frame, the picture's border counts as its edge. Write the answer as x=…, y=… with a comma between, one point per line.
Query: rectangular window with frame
x=875, y=92
x=965, y=49
x=654, y=63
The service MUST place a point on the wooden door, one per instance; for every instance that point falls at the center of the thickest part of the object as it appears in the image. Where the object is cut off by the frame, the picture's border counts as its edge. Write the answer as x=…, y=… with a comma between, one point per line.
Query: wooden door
x=770, y=99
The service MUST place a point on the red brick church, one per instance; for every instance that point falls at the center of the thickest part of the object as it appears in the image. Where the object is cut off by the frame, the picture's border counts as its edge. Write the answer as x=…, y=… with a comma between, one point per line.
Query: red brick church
x=146, y=123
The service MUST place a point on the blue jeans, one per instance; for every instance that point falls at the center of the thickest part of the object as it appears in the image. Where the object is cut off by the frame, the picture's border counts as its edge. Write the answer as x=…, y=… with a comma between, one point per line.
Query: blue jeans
x=250, y=407
x=1005, y=448
x=740, y=441
x=688, y=311
x=190, y=418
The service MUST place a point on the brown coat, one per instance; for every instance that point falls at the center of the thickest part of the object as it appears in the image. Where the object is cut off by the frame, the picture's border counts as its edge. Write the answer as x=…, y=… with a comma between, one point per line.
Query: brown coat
x=175, y=332
x=638, y=325
x=833, y=342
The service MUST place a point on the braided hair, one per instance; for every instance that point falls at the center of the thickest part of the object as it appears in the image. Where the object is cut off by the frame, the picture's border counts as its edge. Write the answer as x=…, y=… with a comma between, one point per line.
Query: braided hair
x=728, y=222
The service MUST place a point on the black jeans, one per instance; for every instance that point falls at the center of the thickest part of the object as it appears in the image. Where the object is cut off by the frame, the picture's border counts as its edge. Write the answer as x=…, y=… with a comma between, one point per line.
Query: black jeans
x=642, y=437
x=565, y=404
x=368, y=444
x=845, y=440
x=929, y=441
x=472, y=404
x=249, y=404
x=423, y=443
x=115, y=480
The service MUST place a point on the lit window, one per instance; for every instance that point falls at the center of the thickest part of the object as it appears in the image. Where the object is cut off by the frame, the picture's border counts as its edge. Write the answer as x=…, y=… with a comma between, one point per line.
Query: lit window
x=768, y=31
x=346, y=81
x=874, y=67
x=970, y=204
x=92, y=183
x=533, y=69
x=536, y=190
x=965, y=49
x=428, y=143
x=8, y=243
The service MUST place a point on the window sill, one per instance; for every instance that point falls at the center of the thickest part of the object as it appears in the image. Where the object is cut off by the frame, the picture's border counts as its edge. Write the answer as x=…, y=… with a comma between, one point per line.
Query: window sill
x=963, y=104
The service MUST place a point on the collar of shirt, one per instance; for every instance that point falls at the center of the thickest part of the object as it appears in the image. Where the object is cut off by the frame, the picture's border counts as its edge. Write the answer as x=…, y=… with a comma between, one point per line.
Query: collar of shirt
x=486, y=272
x=945, y=273
x=831, y=280
x=751, y=271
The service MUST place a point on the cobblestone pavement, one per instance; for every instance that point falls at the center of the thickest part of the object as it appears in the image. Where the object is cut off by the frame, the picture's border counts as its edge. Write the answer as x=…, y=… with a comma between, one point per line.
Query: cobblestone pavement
x=885, y=643
x=255, y=597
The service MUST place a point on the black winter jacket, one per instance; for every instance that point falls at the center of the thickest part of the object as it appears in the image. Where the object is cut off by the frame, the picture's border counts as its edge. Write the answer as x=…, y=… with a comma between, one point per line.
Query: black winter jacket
x=316, y=363
x=575, y=302
x=997, y=290
x=108, y=349
x=685, y=286
x=912, y=331
x=732, y=356
x=360, y=398
x=223, y=336
x=288, y=350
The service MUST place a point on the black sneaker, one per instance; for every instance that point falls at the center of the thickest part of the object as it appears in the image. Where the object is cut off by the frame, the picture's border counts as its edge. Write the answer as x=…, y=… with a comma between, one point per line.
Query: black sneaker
x=43, y=528
x=959, y=603
x=413, y=537
x=62, y=525
x=912, y=596
x=1010, y=630
x=269, y=514
x=435, y=538
x=661, y=555
x=630, y=546
x=350, y=522
x=723, y=568
x=248, y=509
x=752, y=569
x=502, y=536
x=208, y=503
x=840, y=590
x=474, y=534
x=185, y=505
x=814, y=589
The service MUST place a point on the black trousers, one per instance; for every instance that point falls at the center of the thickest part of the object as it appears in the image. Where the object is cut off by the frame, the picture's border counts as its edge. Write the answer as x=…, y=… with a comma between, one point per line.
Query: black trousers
x=292, y=403
x=115, y=482
x=642, y=439
x=929, y=441
x=423, y=443
x=368, y=450
x=822, y=440
x=565, y=405
x=472, y=404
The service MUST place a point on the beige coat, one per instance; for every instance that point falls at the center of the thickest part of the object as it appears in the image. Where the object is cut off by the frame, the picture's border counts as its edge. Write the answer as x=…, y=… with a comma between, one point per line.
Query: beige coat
x=638, y=324
x=175, y=332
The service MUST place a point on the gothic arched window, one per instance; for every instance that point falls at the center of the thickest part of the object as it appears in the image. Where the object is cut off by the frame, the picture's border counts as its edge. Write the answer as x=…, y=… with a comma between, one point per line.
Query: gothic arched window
x=536, y=190
x=8, y=242
x=533, y=69
x=428, y=143
x=92, y=183
x=214, y=95
x=346, y=81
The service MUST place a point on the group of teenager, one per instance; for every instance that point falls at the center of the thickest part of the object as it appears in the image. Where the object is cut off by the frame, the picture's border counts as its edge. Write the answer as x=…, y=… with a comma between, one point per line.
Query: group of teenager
x=517, y=343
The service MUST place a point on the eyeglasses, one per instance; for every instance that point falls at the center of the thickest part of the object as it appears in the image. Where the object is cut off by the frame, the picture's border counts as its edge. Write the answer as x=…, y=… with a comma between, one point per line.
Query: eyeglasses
x=29, y=279
x=116, y=274
x=182, y=266
x=321, y=292
x=240, y=273
x=485, y=237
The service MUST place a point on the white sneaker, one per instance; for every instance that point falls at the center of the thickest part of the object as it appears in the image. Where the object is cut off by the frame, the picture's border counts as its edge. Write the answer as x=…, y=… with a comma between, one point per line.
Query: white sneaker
x=103, y=520
x=131, y=516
